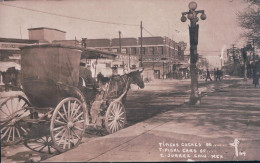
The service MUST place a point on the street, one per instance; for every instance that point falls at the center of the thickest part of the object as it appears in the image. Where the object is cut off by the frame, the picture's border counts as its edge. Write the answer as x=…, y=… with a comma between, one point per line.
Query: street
x=224, y=127
x=131, y=81
x=158, y=96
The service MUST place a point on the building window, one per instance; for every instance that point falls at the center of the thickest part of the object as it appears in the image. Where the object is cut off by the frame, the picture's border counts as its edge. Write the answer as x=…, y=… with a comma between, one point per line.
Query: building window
x=143, y=50
x=160, y=50
x=151, y=50
x=114, y=50
x=133, y=51
x=124, y=50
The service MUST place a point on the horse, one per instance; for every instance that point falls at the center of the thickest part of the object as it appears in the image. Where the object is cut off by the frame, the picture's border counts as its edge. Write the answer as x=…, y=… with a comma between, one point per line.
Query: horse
x=118, y=83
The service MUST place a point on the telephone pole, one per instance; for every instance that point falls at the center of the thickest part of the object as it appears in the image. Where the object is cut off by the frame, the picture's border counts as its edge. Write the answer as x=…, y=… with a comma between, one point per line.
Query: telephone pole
x=141, y=51
x=119, y=41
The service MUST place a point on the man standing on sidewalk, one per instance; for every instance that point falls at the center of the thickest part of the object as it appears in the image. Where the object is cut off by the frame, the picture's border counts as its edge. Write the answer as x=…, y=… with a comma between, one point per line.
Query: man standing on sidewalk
x=218, y=74
x=208, y=76
x=215, y=74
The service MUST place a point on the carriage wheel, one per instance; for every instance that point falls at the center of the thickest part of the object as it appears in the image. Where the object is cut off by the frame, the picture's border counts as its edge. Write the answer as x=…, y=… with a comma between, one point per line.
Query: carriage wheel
x=12, y=111
x=42, y=145
x=115, y=118
x=68, y=124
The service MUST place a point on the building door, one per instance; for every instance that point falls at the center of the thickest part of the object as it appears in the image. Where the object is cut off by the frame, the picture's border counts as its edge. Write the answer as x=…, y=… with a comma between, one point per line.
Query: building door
x=156, y=74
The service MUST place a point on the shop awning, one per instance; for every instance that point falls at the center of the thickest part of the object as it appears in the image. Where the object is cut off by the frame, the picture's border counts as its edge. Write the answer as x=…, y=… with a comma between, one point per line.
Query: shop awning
x=4, y=66
x=185, y=66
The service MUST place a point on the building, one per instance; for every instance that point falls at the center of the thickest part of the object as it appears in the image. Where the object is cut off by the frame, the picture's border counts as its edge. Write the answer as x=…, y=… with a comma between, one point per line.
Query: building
x=10, y=58
x=123, y=61
x=46, y=34
x=161, y=56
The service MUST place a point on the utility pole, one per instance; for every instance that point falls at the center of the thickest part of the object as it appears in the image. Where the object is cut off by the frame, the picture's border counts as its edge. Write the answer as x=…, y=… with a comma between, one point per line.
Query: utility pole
x=119, y=41
x=129, y=61
x=21, y=32
x=141, y=51
x=233, y=52
x=253, y=51
x=244, y=55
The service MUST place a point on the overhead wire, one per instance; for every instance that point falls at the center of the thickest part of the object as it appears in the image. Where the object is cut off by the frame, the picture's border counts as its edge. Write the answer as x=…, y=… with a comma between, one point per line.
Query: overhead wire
x=66, y=16
x=148, y=31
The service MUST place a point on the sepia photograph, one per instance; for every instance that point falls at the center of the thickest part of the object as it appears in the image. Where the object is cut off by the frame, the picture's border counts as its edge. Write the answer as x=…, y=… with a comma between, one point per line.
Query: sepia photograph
x=129, y=80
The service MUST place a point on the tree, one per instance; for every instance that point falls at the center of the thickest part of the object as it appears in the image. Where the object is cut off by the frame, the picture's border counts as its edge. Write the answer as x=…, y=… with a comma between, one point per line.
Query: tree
x=250, y=20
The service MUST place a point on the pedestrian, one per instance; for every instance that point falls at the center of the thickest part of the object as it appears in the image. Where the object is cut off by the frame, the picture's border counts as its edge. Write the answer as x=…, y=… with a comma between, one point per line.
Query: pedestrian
x=218, y=75
x=208, y=76
x=215, y=75
x=255, y=77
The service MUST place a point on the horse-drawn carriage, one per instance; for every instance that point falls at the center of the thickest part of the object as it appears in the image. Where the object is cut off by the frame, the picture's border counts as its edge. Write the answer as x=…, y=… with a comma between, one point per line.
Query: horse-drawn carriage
x=58, y=108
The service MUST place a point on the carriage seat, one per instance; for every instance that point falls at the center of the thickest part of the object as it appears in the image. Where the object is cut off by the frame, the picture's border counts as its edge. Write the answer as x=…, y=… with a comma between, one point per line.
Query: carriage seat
x=84, y=83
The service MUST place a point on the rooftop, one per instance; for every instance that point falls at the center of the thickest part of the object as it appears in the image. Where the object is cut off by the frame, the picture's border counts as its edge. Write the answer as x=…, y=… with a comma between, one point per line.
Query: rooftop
x=39, y=28
x=15, y=40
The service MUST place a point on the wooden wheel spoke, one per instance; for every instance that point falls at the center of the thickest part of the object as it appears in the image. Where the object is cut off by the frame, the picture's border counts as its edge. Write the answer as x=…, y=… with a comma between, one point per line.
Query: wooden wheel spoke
x=64, y=109
x=13, y=132
x=55, y=129
x=75, y=134
x=61, y=131
x=23, y=129
x=117, y=126
x=120, y=124
x=63, y=123
x=61, y=137
x=65, y=142
x=3, y=129
x=17, y=103
x=42, y=147
x=121, y=120
x=8, y=108
x=6, y=131
x=118, y=107
x=76, y=127
x=111, y=123
x=10, y=131
x=73, y=108
x=69, y=138
x=11, y=103
x=75, y=113
x=79, y=121
x=69, y=112
x=4, y=112
x=73, y=140
x=121, y=114
x=62, y=116
x=111, y=118
x=38, y=146
x=112, y=112
x=114, y=126
x=77, y=117
x=20, y=104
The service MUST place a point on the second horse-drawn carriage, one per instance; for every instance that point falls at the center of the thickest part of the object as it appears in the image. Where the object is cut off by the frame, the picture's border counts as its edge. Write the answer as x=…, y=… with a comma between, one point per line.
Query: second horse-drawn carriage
x=59, y=104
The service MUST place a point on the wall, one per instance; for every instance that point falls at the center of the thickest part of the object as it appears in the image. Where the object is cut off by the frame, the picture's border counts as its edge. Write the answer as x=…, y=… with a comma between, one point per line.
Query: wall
x=46, y=34
x=98, y=42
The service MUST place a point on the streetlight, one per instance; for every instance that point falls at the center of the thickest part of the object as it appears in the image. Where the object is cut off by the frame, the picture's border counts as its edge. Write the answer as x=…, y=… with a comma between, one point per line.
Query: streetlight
x=192, y=15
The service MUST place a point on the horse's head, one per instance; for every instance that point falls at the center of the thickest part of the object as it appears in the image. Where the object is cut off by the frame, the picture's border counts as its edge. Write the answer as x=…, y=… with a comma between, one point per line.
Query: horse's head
x=100, y=76
x=136, y=78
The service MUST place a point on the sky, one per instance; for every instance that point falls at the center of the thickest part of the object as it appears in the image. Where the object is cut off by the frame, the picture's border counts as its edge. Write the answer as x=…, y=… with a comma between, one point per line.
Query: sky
x=160, y=17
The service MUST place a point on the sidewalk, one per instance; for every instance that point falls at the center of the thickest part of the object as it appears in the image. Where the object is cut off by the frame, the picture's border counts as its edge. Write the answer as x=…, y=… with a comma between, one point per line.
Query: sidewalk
x=203, y=132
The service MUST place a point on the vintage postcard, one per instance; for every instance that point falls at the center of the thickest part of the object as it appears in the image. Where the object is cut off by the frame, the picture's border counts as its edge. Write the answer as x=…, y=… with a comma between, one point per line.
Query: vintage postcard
x=129, y=80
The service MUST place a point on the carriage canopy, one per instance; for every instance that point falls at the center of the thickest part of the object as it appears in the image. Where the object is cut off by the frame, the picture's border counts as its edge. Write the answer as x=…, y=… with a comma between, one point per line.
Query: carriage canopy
x=53, y=63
